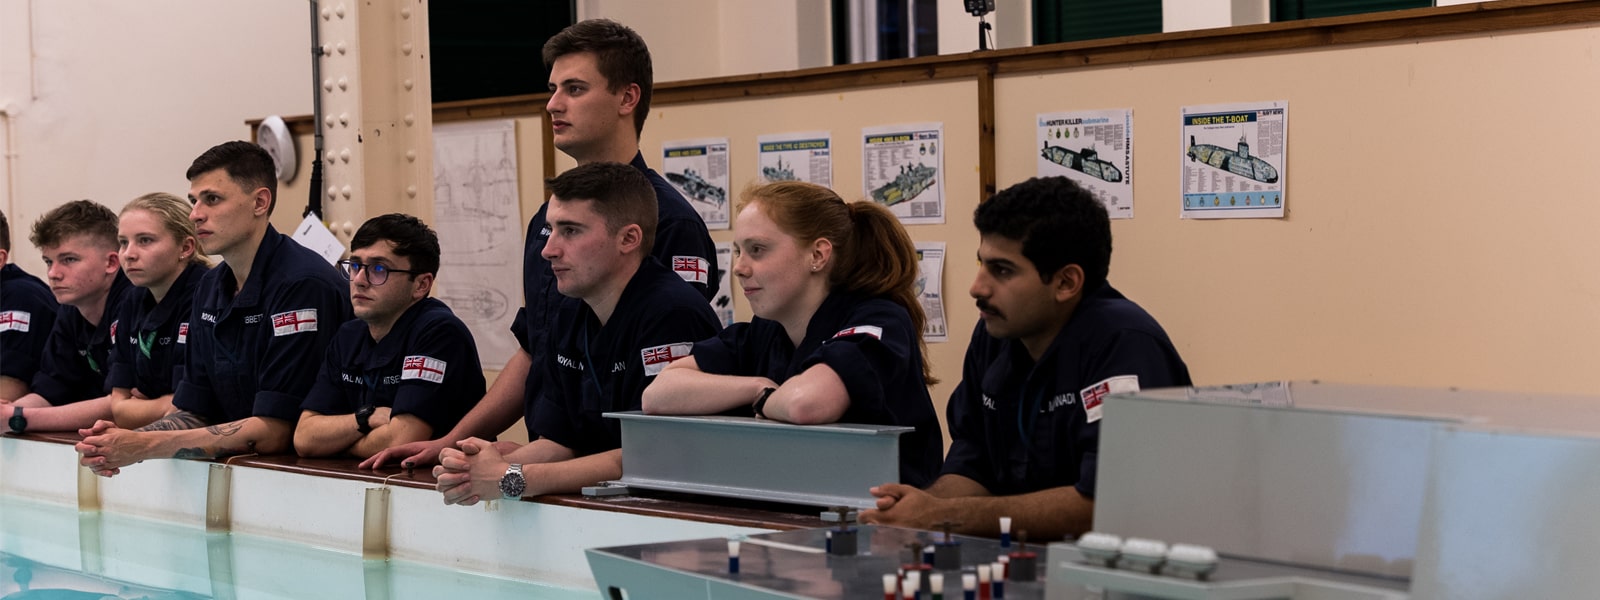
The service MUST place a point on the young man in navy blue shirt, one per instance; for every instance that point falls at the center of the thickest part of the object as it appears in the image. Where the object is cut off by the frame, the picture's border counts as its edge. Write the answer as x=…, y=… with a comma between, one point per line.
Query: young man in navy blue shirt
x=1054, y=339
x=27, y=313
x=79, y=242
x=625, y=317
x=600, y=85
x=260, y=324
x=406, y=366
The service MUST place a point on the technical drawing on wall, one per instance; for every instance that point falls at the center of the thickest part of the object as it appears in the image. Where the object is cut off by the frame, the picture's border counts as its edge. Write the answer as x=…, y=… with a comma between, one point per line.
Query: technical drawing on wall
x=478, y=215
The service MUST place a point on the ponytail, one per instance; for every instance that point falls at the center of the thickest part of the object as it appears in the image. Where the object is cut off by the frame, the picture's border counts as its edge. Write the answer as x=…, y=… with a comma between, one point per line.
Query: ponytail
x=881, y=260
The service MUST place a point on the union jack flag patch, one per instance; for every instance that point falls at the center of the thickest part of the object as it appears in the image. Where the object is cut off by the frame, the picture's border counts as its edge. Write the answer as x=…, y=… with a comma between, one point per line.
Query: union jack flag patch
x=294, y=321
x=873, y=330
x=692, y=269
x=1094, y=396
x=421, y=367
x=15, y=320
x=656, y=358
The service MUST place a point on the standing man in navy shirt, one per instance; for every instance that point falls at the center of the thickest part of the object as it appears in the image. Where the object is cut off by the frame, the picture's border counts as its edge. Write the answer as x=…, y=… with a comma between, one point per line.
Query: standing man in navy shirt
x=27, y=312
x=600, y=84
x=406, y=366
x=260, y=324
x=1054, y=339
x=79, y=242
x=625, y=317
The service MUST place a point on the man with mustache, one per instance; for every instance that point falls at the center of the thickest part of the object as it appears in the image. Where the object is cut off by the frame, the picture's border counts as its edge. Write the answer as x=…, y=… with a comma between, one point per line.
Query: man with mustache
x=1054, y=339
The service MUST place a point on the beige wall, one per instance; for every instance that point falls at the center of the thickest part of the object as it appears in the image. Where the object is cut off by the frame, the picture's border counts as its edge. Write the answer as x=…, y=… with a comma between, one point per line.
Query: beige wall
x=692, y=39
x=114, y=99
x=1440, y=213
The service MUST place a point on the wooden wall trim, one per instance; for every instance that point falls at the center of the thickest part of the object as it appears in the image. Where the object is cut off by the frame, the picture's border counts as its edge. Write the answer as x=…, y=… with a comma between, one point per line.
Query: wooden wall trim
x=986, y=133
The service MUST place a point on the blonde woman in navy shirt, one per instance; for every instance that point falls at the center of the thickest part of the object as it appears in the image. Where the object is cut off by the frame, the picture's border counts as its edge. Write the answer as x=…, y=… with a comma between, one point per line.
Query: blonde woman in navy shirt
x=837, y=333
x=162, y=255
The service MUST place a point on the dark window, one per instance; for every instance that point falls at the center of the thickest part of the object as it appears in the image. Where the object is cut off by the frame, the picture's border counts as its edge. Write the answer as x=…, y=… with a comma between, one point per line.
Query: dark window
x=1075, y=20
x=490, y=48
x=1290, y=10
x=868, y=30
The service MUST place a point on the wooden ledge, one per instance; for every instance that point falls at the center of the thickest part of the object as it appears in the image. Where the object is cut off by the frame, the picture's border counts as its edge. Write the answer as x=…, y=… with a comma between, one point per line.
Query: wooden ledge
x=669, y=506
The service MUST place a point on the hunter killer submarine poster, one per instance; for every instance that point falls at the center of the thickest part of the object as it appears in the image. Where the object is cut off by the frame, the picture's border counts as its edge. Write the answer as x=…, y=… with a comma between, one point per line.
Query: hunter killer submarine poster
x=1093, y=148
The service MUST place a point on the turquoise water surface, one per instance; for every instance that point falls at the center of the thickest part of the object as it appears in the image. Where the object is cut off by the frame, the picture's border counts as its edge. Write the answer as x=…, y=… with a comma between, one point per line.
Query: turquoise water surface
x=52, y=552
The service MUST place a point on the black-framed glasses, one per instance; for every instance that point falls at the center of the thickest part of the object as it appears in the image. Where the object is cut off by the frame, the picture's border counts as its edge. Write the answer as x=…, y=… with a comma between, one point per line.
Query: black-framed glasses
x=376, y=274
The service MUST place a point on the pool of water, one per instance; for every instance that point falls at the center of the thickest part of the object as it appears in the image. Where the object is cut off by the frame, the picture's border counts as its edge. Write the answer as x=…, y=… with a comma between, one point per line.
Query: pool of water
x=53, y=552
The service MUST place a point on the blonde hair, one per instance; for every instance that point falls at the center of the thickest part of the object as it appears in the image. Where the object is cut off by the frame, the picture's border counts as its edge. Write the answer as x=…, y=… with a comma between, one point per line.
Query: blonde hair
x=173, y=213
x=873, y=254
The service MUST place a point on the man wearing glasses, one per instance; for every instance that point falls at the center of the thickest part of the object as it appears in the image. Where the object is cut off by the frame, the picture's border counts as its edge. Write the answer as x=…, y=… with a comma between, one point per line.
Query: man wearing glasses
x=259, y=326
x=406, y=367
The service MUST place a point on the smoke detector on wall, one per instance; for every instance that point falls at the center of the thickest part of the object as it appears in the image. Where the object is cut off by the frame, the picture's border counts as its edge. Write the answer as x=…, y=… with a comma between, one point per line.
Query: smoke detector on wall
x=273, y=135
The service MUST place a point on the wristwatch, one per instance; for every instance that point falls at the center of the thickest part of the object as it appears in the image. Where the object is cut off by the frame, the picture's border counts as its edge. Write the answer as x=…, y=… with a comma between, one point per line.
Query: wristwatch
x=512, y=485
x=18, y=423
x=364, y=419
x=761, y=402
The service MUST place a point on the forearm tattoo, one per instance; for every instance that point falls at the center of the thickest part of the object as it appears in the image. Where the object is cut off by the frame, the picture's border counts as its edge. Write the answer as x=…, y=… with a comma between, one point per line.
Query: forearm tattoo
x=226, y=429
x=249, y=448
x=177, y=421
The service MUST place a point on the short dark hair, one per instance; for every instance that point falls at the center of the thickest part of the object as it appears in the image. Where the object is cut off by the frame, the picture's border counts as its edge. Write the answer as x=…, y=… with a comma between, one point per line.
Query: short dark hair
x=620, y=54
x=247, y=164
x=412, y=239
x=620, y=193
x=5, y=232
x=78, y=217
x=1058, y=222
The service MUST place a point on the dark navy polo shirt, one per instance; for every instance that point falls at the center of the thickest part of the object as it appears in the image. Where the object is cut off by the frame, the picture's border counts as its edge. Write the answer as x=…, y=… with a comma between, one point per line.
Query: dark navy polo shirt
x=1020, y=427
x=27, y=314
x=681, y=239
x=148, y=352
x=427, y=366
x=871, y=344
x=594, y=369
x=78, y=355
x=257, y=352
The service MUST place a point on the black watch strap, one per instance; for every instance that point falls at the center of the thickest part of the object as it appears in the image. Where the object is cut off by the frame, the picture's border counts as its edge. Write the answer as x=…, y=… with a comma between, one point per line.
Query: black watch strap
x=17, y=422
x=761, y=401
x=364, y=419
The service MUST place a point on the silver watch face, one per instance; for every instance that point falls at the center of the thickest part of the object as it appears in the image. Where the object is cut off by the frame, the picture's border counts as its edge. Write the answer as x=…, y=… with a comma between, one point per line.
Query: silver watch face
x=512, y=484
